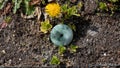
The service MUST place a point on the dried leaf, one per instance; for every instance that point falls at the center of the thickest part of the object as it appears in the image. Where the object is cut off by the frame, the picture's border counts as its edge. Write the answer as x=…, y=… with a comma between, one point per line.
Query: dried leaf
x=37, y=13
x=27, y=16
x=7, y=8
x=3, y=25
x=35, y=2
x=73, y=1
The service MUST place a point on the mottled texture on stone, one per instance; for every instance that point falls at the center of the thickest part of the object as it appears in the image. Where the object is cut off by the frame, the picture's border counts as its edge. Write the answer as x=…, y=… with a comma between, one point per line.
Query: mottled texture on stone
x=61, y=35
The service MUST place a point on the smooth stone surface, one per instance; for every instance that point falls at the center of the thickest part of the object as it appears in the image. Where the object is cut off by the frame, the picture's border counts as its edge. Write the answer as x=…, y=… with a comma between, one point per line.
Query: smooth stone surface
x=61, y=35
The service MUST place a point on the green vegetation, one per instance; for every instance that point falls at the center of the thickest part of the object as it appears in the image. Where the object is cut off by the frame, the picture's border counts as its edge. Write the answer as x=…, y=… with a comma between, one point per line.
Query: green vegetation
x=61, y=50
x=55, y=60
x=29, y=9
x=113, y=1
x=73, y=48
x=17, y=4
x=69, y=11
x=80, y=5
x=72, y=26
x=110, y=6
x=8, y=19
x=103, y=6
x=2, y=3
x=44, y=60
x=45, y=26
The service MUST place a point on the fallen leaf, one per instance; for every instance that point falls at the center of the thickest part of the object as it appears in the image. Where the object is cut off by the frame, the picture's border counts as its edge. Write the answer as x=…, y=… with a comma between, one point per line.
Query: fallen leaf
x=28, y=16
x=7, y=9
x=35, y=2
x=37, y=13
x=3, y=25
x=73, y=1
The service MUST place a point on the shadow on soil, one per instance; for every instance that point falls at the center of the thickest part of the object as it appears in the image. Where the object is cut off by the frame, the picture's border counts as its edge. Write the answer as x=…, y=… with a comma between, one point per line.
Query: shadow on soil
x=82, y=26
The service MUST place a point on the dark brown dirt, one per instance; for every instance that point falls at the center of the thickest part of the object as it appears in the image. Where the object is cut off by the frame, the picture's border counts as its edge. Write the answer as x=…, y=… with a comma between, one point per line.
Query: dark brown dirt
x=98, y=38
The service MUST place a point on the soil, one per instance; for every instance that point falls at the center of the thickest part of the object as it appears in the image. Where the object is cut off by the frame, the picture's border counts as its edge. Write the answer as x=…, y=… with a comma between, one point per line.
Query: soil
x=98, y=37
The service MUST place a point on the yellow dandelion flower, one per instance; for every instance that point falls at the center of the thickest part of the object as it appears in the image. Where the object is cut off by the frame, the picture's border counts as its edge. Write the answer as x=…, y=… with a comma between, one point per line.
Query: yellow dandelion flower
x=53, y=9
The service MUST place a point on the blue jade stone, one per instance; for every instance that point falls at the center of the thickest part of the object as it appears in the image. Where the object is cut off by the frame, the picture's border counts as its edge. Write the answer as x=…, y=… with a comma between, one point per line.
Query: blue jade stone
x=61, y=35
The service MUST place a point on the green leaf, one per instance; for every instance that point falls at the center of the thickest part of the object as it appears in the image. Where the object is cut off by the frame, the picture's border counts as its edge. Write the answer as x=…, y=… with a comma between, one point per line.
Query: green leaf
x=28, y=8
x=73, y=48
x=17, y=4
x=64, y=8
x=61, y=50
x=80, y=5
x=44, y=60
x=69, y=11
x=55, y=60
x=113, y=1
x=72, y=26
x=45, y=26
x=43, y=2
x=8, y=19
x=77, y=15
x=103, y=6
x=2, y=3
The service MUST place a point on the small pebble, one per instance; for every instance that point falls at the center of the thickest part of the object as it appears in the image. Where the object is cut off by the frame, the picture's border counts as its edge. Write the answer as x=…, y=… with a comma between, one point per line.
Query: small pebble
x=14, y=31
x=92, y=33
x=9, y=61
x=13, y=35
x=105, y=54
x=87, y=40
x=118, y=52
x=3, y=51
x=20, y=59
x=13, y=42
